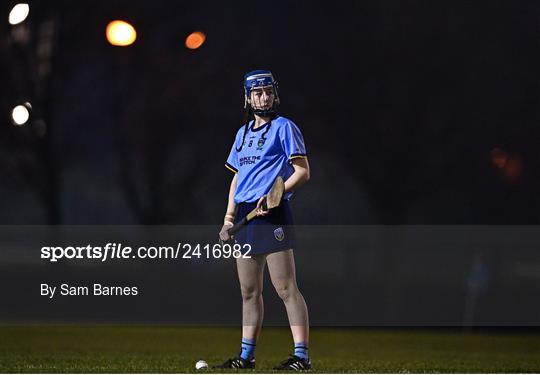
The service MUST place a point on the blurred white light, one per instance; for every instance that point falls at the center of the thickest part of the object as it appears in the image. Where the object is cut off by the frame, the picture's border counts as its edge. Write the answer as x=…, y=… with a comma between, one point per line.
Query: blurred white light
x=21, y=114
x=19, y=13
x=120, y=33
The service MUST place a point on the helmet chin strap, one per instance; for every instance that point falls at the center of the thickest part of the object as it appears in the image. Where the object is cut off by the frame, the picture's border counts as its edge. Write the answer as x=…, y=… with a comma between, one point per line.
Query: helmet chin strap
x=265, y=112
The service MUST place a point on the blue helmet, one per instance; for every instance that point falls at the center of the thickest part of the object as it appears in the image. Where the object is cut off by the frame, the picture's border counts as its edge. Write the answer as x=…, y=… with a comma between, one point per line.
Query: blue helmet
x=260, y=78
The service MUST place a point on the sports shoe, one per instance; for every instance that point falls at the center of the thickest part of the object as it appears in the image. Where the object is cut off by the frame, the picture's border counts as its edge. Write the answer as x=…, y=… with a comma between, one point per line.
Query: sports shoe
x=294, y=363
x=238, y=363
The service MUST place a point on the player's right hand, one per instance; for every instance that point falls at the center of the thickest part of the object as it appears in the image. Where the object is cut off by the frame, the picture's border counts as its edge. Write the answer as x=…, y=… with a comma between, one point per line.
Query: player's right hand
x=224, y=233
x=261, y=211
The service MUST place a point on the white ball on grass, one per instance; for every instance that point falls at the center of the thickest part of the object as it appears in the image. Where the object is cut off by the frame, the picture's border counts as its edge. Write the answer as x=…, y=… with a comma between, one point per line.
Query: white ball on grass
x=201, y=365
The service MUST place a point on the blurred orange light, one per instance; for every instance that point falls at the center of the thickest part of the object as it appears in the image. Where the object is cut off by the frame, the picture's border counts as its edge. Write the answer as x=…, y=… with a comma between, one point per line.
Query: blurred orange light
x=195, y=40
x=513, y=169
x=120, y=33
x=499, y=158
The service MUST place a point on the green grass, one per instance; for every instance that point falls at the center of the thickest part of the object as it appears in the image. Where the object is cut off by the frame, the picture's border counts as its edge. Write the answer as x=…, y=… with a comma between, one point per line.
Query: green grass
x=144, y=349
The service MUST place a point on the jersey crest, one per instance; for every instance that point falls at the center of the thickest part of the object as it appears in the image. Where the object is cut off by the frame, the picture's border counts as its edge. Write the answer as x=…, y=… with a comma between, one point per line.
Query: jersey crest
x=260, y=144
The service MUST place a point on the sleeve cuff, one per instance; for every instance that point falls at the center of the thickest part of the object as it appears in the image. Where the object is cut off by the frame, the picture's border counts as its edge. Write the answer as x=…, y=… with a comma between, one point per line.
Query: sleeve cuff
x=231, y=168
x=297, y=156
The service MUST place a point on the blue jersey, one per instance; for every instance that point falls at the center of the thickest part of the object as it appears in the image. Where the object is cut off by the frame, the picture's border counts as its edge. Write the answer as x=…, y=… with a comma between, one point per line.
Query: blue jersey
x=266, y=154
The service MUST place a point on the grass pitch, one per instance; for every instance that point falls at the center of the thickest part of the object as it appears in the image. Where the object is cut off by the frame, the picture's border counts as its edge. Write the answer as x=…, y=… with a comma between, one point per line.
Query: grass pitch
x=145, y=349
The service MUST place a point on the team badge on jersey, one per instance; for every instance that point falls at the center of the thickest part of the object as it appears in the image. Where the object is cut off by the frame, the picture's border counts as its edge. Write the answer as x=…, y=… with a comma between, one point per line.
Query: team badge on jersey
x=260, y=144
x=279, y=234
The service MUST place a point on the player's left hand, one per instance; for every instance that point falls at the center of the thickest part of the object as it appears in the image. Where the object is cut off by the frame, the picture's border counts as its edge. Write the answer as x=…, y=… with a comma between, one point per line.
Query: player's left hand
x=260, y=210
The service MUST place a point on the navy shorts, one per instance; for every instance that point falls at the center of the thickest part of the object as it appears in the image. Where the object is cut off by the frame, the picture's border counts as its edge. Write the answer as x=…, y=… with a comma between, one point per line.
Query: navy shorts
x=266, y=234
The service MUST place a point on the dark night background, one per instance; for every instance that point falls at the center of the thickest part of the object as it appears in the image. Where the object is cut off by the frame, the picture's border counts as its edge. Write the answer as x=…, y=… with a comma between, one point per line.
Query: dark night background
x=414, y=112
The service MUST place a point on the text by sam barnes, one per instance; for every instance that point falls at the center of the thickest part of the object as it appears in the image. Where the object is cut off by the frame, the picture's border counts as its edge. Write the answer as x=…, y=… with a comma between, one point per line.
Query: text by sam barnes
x=95, y=289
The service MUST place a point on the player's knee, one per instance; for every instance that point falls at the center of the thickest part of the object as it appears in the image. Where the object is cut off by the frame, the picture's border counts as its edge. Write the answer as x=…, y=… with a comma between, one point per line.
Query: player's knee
x=286, y=290
x=249, y=294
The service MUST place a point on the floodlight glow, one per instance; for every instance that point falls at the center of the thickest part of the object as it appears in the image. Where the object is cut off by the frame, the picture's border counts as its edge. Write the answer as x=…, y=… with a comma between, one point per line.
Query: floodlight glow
x=19, y=13
x=195, y=40
x=21, y=114
x=120, y=33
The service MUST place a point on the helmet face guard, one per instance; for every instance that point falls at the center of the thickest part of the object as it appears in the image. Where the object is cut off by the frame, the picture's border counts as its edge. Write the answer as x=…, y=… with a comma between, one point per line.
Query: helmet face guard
x=260, y=79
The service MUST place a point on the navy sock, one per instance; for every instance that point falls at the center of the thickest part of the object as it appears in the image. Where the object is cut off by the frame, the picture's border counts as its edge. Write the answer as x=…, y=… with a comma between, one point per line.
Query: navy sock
x=248, y=349
x=301, y=350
